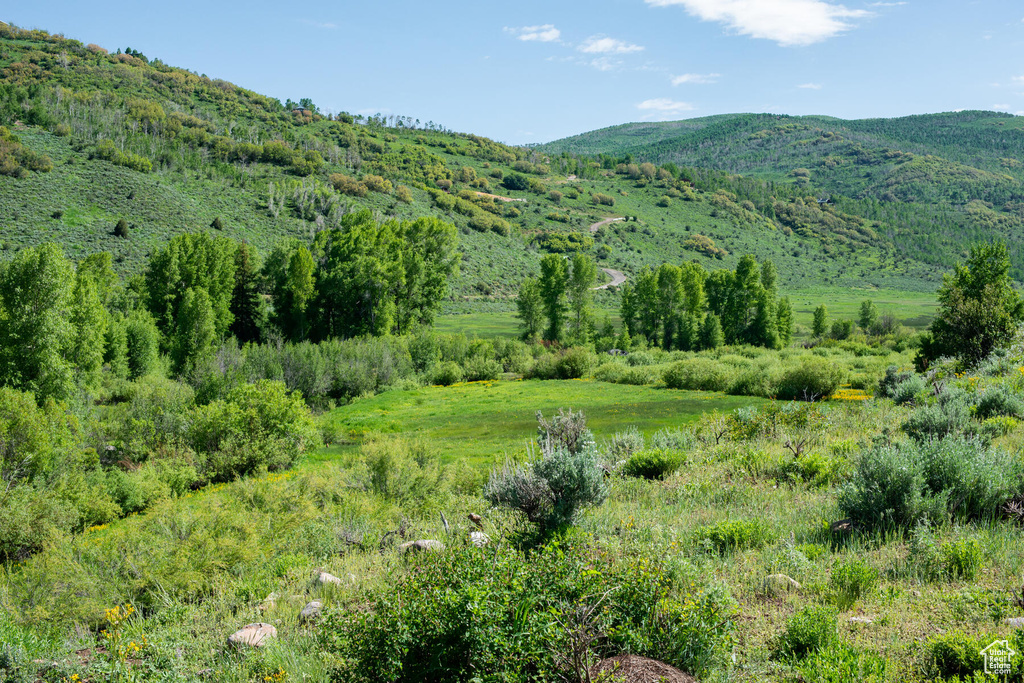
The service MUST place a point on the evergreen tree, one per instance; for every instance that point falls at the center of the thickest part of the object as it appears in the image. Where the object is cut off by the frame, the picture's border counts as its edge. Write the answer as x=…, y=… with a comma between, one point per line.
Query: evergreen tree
x=247, y=306
x=553, y=281
x=711, y=336
x=530, y=309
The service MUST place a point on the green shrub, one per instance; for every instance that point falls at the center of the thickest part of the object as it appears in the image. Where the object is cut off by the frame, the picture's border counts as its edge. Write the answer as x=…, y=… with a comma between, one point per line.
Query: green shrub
x=815, y=378
x=841, y=663
x=446, y=374
x=851, y=580
x=653, y=464
x=574, y=364
x=609, y=372
x=961, y=559
x=496, y=614
x=399, y=470
x=995, y=427
x=738, y=534
x=999, y=401
x=260, y=425
x=698, y=374
x=637, y=377
x=955, y=654
x=478, y=368
x=810, y=630
x=639, y=358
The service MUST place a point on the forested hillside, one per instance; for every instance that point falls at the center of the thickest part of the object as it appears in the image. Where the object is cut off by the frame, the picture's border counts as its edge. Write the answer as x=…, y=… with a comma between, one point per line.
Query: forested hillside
x=935, y=182
x=118, y=151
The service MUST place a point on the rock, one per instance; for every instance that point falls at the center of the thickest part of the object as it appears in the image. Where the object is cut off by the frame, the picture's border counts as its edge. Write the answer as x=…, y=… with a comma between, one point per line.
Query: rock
x=479, y=539
x=268, y=602
x=843, y=526
x=252, y=635
x=325, y=579
x=476, y=519
x=777, y=584
x=1014, y=622
x=418, y=546
x=311, y=611
x=861, y=620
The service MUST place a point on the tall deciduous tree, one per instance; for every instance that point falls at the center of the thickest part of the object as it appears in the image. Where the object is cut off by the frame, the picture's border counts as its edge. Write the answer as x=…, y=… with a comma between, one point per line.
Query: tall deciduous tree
x=554, y=277
x=868, y=315
x=582, y=277
x=530, y=309
x=36, y=331
x=820, y=325
x=195, y=331
x=89, y=323
x=192, y=261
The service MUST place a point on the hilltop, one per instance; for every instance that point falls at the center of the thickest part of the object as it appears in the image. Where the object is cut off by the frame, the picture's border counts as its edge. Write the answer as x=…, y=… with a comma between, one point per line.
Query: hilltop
x=97, y=138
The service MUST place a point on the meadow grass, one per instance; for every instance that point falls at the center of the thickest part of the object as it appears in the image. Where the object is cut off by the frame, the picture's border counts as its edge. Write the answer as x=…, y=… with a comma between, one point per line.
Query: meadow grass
x=483, y=421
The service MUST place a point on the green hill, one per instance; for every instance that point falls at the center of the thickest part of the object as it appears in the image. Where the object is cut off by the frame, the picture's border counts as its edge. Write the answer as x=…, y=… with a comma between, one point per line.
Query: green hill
x=95, y=138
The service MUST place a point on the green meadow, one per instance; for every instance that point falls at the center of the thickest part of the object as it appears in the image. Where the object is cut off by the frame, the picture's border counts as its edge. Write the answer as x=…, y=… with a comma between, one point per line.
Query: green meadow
x=483, y=422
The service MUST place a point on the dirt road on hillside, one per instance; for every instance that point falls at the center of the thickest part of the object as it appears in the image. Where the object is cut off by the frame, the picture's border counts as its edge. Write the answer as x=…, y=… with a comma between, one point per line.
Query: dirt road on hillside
x=606, y=221
x=617, y=276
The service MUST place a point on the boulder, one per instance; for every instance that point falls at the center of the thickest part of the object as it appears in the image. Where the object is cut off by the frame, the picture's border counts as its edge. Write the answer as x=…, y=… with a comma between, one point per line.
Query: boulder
x=479, y=539
x=252, y=635
x=419, y=546
x=861, y=620
x=778, y=584
x=311, y=611
x=1014, y=622
x=325, y=579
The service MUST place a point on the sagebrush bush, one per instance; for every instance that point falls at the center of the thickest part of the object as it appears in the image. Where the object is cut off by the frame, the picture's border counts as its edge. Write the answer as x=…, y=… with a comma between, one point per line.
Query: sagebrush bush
x=810, y=630
x=669, y=439
x=623, y=444
x=653, y=464
x=950, y=415
x=999, y=401
x=892, y=378
x=698, y=374
x=555, y=488
x=904, y=483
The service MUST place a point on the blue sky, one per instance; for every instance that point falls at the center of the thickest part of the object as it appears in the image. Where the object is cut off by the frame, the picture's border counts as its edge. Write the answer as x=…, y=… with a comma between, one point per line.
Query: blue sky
x=533, y=71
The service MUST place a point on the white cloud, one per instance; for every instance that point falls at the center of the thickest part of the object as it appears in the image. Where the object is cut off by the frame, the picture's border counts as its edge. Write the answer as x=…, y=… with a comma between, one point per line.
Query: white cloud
x=695, y=78
x=810, y=86
x=319, y=24
x=1018, y=79
x=606, y=45
x=886, y=4
x=545, y=33
x=787, y=22
x=663, y=109
x=605, y=63
x=1001, y=107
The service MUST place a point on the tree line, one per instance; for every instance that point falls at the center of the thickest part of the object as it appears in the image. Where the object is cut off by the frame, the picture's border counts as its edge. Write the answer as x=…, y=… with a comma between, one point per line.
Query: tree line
x=60, y=322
